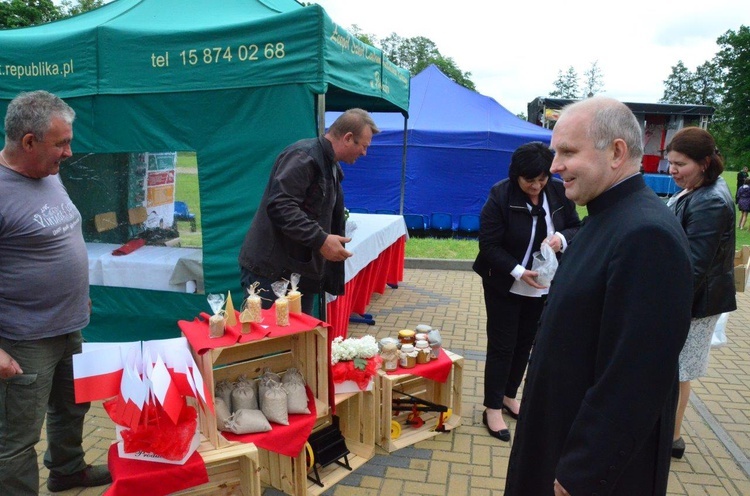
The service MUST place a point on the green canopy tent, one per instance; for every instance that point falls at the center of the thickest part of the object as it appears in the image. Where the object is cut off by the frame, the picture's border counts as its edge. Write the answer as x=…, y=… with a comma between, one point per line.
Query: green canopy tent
x=234, y=80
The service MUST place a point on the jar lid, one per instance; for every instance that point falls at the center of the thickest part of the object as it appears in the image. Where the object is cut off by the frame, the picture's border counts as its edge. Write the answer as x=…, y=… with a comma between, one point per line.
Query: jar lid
x=407, y=348
x=389, y=347
x=422, y=344
x=388, y=340
x=405, y=333
x=423, y=328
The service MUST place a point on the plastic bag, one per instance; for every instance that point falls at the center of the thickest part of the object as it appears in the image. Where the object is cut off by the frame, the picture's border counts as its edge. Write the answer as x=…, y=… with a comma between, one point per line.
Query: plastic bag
x=545, y=264
x=218, y=321
x=720, y=336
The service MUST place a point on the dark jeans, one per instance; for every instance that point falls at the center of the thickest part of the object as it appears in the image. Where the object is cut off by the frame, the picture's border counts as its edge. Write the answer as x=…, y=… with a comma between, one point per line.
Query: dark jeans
x=511, y=329
x=247, y=278
x=45, y=387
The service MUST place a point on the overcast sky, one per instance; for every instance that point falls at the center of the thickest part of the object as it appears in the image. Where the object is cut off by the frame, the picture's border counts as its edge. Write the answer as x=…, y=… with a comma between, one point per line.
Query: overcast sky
x=514, y=50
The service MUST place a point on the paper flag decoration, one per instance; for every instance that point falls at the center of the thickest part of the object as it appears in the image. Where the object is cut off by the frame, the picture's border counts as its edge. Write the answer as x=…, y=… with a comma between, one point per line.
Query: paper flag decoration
x=133, y=376
x=231, y=317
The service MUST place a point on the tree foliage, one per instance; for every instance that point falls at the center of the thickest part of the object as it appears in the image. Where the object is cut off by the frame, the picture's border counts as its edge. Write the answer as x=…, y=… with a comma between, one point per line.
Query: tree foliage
x=70, y=8
x=723, y=83
x=734, y=59
x=702, y=87
x=416, y=54
x=24, y=13
x=566, y=84
x=594, y=80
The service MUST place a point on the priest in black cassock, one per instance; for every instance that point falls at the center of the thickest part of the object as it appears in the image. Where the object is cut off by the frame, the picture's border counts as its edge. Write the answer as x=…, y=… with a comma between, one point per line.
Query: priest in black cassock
x=598, y=408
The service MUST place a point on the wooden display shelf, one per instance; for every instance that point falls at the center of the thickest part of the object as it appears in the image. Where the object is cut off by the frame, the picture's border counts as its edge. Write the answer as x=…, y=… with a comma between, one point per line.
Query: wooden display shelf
x=232, y=470
x=446, y=394
x=357, y=414
x=306, y=351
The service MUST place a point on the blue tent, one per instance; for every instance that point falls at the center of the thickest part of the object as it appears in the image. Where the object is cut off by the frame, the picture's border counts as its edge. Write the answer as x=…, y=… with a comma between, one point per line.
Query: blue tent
x=459, y=144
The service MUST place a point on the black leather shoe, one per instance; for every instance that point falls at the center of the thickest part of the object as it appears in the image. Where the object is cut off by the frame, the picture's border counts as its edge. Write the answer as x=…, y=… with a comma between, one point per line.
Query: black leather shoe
x=90, y=476
x=678, y=448
x=510, y=412
x=502, y=434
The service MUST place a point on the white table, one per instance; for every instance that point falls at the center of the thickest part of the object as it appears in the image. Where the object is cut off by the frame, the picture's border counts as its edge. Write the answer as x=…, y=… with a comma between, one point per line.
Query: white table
x=374, y=233
x=372, y=245
x=160, y=268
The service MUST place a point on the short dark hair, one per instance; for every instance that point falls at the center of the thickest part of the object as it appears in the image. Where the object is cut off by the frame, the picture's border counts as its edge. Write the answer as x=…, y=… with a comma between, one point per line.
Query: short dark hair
x=530, y=160
x=698, y=144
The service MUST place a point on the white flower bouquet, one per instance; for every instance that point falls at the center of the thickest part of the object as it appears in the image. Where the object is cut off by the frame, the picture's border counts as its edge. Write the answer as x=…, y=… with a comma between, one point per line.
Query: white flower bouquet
x=354, y=359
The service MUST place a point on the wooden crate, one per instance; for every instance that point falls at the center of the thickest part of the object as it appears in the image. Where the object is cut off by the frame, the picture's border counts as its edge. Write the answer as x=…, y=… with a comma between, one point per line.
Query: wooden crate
x=232, y=470
x=447, y=394
x=741, y=268
x=357, y=414
x=285, y=473
x=307, y=351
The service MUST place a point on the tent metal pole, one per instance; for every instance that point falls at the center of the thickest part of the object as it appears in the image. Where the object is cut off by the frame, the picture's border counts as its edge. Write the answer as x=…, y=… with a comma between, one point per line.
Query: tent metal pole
x=321, y=117
x=403, y=169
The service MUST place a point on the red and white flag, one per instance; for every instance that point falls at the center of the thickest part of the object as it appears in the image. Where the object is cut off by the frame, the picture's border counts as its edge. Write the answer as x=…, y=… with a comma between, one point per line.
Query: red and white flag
x=97, y=372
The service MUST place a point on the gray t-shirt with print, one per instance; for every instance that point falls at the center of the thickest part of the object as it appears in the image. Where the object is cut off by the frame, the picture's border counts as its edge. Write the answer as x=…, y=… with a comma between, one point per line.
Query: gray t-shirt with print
x=44, y=278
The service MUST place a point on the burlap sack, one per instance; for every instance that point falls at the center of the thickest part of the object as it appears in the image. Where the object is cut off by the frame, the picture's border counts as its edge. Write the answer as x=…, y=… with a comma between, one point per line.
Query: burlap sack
x=296, y=398
x=266, y=380
x=274, y=404
x=223, y=390
x=244, y=396
x=222, y=412
x=247, y=421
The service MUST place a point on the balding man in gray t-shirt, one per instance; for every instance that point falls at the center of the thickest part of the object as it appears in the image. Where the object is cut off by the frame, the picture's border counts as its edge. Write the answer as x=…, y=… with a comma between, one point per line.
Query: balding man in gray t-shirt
x=44, y=301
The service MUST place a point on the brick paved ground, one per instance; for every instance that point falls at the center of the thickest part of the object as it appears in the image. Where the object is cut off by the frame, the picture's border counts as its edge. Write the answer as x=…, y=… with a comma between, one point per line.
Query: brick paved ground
x=467, y=460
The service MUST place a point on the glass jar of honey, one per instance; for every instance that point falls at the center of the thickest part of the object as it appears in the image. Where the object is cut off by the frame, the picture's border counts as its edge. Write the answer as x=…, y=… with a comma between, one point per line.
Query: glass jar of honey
x=406, y=336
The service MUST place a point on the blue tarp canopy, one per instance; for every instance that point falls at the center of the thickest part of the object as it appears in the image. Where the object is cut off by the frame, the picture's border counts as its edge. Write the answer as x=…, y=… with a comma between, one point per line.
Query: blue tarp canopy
x=459, y=144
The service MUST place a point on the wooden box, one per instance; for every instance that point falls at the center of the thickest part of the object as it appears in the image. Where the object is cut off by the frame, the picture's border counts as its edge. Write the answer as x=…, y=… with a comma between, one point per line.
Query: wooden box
x=741, y=266
x=446, y=394
x=357, y=414
x=307, y=351
x=232, y=470
x=285, y=473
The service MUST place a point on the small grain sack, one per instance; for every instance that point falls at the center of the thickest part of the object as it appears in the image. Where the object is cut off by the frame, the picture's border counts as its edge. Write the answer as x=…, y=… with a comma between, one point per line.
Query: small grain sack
x=246, y=422
x=222, y=412
x=243, y=397
x=274, y=405
x=223, y=390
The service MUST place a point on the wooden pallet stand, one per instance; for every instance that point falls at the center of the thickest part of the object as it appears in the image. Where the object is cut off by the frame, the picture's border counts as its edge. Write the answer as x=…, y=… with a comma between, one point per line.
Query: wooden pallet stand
x=357, y=414
x=306, y=351
x=447, y=394
x=232, y=470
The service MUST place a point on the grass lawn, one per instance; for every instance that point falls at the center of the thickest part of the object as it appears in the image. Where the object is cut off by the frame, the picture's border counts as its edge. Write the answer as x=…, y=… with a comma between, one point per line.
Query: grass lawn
x=453, y=249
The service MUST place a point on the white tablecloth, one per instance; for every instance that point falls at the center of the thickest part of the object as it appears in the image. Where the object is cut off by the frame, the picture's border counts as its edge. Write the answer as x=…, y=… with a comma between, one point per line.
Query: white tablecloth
x=374, y=233
x=161, y=268
x=166, y=268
